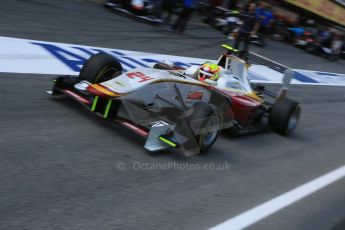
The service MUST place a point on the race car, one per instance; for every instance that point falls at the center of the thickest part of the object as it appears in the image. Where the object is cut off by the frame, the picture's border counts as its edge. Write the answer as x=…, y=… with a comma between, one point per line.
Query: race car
x=140, y=9
x=171, y=109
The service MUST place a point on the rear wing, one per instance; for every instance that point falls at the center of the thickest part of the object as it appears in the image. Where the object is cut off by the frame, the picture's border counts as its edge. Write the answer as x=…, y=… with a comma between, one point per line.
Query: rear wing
x=256, y=58
x=267, y=62
x=288, y=72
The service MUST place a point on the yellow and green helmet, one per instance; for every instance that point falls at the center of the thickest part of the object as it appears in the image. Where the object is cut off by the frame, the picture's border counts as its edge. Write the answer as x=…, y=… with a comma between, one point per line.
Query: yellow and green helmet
x=209, y=71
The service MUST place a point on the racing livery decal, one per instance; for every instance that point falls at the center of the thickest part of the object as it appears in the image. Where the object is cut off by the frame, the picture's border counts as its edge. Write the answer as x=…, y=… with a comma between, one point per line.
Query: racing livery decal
x=195, y=95
x=142, y=77
x=40, y=57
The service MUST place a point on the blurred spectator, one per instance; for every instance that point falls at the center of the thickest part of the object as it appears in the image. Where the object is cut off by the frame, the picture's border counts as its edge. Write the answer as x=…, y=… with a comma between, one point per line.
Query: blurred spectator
x=157, y=5
x=184, y=17
x=212, y=12
x=311, y=27
x=167, y=10
x=326, y=38
x=337, y=44
x=296, y=31
x=216, y=3
x=231, y=4
x=324, y=35
x=265, y=16
x=248, y=28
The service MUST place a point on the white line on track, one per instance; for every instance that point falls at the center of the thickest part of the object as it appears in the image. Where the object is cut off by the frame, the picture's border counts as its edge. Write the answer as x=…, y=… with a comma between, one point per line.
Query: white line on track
x=270, y=207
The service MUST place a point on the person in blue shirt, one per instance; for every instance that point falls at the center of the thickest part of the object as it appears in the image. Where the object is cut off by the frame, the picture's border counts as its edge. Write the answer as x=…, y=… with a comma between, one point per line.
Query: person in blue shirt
x=265, y=17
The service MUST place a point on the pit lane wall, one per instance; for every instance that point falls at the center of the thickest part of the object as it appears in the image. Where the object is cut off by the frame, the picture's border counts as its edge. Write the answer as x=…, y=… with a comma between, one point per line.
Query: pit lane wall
x=40, y=57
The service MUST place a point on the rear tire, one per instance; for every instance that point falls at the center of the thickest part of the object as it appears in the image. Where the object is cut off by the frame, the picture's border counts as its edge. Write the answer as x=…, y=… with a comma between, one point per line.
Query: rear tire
x=284, y=116
x=100, y=67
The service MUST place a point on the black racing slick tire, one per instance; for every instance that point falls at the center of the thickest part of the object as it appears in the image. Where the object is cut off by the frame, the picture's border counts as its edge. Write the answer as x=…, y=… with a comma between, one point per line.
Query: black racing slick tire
x=206, y=124
x=284, y=116
x=100, y=67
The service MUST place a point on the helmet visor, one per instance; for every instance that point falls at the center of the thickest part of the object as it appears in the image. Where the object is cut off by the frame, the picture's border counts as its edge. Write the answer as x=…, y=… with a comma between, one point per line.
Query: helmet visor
x=203, y=75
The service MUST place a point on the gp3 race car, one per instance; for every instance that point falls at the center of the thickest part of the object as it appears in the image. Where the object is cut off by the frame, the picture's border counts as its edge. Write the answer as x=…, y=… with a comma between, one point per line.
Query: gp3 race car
x=140, y=9
x=169, y=108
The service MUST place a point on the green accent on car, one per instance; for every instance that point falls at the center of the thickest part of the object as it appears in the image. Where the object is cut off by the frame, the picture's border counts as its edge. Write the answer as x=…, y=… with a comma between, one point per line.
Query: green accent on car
x=95, y=100
x=230, y=48
x=119, y=83
x=107, y=109
x=166, y=141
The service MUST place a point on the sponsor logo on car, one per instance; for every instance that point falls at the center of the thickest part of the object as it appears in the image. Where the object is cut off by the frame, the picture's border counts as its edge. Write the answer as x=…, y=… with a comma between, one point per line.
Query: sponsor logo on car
x=195, y=95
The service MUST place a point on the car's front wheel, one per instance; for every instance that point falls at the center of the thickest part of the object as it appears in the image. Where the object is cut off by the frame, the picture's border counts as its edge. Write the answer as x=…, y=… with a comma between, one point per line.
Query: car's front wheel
x=99, y=68
x=206, y=124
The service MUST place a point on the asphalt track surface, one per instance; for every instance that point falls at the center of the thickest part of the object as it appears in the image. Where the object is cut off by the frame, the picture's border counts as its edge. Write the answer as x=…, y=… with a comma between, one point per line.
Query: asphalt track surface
x=62, y=168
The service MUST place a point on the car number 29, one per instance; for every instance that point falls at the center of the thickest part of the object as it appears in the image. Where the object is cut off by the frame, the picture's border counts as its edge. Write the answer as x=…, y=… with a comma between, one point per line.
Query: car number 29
x=139, y=75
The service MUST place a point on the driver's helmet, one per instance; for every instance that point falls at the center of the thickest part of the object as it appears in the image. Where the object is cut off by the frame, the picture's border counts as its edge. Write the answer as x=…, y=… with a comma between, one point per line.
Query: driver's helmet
x=209, y=71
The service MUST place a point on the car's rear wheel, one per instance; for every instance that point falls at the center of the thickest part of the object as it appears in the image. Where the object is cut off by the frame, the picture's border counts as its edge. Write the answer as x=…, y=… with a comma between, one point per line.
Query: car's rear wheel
x=100, y=67
x=284, y=116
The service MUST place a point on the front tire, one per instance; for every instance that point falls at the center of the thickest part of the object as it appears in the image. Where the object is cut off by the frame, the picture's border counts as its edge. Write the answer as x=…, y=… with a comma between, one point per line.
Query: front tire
x=206, y=124
x=99, y=68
